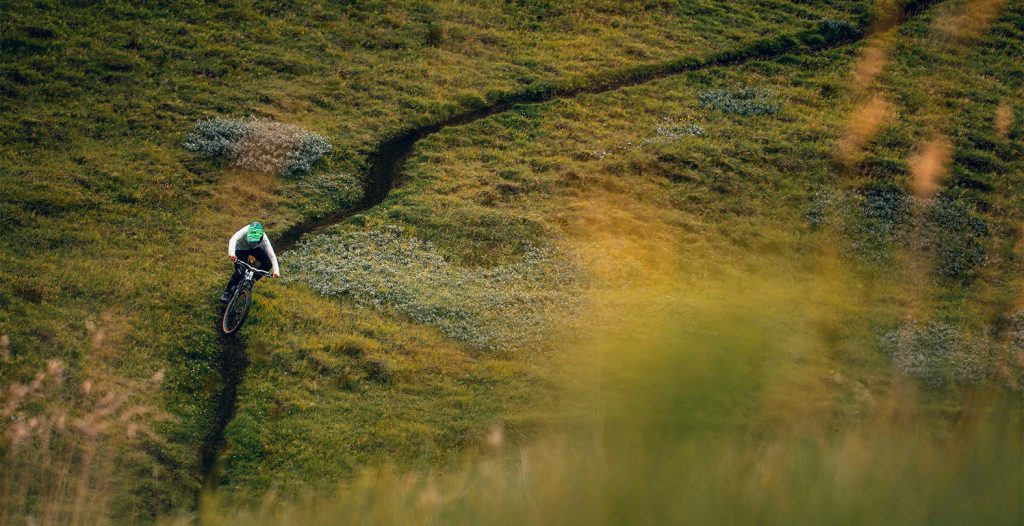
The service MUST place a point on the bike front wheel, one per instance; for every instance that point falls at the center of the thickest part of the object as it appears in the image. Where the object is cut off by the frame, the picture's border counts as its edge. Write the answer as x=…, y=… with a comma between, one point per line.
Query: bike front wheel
x=236, y=310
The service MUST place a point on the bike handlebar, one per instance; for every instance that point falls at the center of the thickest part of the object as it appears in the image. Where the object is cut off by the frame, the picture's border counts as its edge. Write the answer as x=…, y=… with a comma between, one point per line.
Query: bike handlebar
x=252, y=268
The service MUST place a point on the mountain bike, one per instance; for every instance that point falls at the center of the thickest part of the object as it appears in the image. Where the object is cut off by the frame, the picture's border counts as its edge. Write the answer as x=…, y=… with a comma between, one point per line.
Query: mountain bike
x=237, y=308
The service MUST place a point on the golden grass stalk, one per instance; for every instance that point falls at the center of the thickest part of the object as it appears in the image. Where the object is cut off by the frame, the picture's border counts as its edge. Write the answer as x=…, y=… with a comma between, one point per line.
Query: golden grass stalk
x=872, y=60
x=1003, y=119
x=928, y=167
x=865, y=122
x=971, y=21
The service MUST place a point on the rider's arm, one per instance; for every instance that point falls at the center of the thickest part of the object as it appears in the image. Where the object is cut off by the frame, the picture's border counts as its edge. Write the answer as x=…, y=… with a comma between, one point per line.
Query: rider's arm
x=273, y=258
x=234, y=239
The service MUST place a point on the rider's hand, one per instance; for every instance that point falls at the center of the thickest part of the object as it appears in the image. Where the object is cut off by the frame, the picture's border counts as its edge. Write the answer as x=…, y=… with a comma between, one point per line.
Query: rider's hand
x=275, y=275
x=233, y=258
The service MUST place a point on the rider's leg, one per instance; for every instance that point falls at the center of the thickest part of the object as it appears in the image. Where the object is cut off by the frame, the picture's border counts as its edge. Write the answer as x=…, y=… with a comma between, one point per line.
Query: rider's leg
x=236, y=276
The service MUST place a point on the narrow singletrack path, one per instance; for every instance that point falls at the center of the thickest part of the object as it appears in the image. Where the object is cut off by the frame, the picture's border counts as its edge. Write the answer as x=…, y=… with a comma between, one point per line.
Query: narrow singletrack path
x=388, y=160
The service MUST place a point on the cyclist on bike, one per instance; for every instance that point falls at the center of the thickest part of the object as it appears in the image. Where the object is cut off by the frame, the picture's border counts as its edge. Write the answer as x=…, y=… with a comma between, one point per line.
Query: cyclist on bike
x=250, y=241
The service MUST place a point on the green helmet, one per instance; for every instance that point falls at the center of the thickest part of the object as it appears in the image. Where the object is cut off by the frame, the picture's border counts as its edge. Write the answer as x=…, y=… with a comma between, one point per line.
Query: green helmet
x=255, y=233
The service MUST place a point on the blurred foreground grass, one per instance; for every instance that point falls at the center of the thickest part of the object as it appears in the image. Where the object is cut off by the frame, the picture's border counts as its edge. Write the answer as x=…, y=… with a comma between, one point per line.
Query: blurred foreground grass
x=890, y=472
x=677, y=420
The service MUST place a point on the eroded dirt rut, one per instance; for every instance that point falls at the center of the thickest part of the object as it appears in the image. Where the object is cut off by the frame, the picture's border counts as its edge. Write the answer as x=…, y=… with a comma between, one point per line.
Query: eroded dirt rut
x=388, y=159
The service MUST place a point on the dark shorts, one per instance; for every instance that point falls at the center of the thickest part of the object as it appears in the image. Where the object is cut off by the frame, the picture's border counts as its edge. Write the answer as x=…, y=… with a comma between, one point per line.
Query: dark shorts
x=256, y=257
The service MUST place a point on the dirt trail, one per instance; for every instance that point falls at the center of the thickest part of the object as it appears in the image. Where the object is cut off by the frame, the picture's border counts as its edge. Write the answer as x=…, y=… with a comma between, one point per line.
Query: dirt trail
x=388, y=160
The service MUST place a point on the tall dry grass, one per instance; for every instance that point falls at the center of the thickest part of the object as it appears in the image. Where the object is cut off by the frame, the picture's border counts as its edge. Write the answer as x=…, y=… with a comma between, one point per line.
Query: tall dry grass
x=869, y=117
x=872, y=60
x=63, y=442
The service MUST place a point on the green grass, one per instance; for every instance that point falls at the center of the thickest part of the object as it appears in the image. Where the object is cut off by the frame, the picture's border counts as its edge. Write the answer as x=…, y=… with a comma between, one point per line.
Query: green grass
x=108, y=221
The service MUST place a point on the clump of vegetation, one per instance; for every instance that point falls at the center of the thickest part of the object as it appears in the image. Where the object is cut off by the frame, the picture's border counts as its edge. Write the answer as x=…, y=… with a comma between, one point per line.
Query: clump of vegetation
x=838, y=29
x=259, y=144
x=872, y=222
x=435, y=34
x=215, y=137
x=503, y=307
x=667, y=131
x=822, y=210
x=956, y=237
x=378, y=371
x=745, y=101
x=671, y=130
x=938, y=353
x=877, y=221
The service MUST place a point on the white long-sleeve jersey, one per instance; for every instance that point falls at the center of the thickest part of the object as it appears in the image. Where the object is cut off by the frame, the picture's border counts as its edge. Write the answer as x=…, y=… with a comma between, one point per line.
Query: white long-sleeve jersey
x=238, y=241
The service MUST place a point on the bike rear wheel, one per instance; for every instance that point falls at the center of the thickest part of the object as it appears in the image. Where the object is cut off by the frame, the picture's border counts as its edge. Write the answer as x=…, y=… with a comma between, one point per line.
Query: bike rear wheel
x=236, y=310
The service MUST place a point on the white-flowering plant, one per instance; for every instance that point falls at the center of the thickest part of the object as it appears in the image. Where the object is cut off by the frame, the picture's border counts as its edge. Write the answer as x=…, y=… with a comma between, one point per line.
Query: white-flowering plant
x=258, y=144
x=938, y=353
x=743, y=101
x=503, y=307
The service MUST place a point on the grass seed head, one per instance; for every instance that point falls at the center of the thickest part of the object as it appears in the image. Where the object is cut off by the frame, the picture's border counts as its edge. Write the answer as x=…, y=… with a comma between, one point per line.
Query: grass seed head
x=929, y=166
x=863, y=125
x=971, y=21
x=1004, y=119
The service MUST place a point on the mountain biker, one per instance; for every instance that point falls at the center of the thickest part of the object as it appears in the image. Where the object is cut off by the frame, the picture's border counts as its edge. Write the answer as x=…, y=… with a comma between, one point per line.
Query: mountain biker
x=250, y=240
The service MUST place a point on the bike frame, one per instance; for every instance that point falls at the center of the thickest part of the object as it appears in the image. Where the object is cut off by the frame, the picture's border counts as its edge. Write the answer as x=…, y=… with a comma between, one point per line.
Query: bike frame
x=244, y=287
x=250, y=272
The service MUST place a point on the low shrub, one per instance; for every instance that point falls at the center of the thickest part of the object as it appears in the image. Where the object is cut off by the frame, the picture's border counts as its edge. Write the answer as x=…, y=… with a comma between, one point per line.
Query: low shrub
x=836, y=30
x=743, y=101
x=258, y=144
x=378, y=371
x=823, y=208
x=877, y=221
x=938, y=353
x=217, y=137
x=955, y=235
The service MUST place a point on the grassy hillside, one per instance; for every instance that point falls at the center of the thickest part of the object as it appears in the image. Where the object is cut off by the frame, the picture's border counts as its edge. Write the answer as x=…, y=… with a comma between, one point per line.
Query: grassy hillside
x=668, y=172
x=405, y=334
